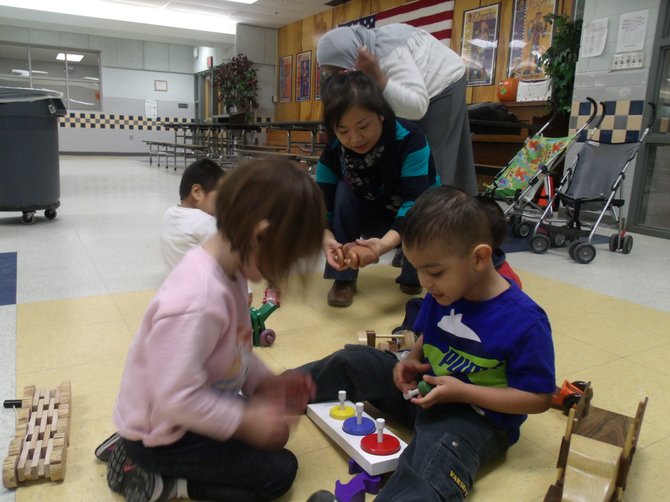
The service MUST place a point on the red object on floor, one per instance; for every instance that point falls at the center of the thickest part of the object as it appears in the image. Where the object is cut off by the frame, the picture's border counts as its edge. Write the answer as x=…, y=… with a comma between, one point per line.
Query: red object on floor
x=387, y=446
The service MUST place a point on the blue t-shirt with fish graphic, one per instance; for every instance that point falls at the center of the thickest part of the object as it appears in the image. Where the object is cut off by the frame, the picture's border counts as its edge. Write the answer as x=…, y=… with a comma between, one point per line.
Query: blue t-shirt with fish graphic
x=501, y=342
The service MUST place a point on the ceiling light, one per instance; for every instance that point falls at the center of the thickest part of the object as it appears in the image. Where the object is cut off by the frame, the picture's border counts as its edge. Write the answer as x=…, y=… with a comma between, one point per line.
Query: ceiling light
x=129, y=12
x=69, y=57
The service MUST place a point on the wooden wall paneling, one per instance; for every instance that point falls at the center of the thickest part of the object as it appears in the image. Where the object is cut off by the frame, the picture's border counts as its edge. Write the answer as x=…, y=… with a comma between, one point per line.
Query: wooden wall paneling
x=350, y=11
x=380, y=5
x=289, y=43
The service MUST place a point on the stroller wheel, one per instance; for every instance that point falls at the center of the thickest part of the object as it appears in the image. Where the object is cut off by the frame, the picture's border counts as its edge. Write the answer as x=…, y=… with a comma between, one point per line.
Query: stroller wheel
x=584, y=253
x=627, y=244
x=558, y=240
x=524, y=229
x=571, y=248
x=614, y=242
x=539, y=243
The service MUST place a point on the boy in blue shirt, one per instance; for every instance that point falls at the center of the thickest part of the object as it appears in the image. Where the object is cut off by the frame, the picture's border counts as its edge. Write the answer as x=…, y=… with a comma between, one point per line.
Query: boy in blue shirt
x=486, y=348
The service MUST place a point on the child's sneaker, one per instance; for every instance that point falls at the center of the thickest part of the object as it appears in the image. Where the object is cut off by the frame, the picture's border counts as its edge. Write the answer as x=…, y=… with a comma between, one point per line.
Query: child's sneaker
x=272, y=295
x=118, y=465
x=143, y=486
x=104, y=451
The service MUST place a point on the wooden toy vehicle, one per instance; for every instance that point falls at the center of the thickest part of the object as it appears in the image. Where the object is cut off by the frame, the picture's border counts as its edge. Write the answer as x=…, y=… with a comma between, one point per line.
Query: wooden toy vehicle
x=400, y=339
x=596, y=453
x=569, y=394
x=262, y=336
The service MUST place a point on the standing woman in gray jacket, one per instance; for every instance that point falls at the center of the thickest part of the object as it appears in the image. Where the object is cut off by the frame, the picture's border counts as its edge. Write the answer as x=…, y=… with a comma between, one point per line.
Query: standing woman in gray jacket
x=421, y=78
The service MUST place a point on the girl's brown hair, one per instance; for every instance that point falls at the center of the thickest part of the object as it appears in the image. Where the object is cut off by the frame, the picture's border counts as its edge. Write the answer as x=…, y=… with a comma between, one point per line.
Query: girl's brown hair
x=278, y=191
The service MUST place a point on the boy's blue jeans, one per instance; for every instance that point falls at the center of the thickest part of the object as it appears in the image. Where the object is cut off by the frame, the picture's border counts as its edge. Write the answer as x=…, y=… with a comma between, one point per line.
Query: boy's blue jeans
x=353, y=219
x=449, y=444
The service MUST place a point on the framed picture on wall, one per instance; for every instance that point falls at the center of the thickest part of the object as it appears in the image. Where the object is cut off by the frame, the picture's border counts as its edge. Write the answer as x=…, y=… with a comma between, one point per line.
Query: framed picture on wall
x=161, y=85
x=317, y=81
x=303, y=74
x=480, y=44
x=530, y=38
x=285, y=83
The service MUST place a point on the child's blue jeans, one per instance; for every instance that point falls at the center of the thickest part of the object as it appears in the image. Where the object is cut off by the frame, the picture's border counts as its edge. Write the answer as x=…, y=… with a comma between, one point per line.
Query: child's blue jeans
x=449, y=444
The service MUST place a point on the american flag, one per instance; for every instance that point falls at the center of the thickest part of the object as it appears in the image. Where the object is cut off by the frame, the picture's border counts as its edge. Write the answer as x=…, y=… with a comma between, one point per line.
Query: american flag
x=434, y=16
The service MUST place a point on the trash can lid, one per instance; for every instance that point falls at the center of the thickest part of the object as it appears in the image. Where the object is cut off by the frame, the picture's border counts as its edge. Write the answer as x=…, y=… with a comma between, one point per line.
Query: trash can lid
x=14, y=94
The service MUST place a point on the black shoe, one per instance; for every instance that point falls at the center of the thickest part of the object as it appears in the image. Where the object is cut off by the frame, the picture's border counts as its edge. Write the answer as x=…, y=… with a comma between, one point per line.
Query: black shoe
x=411, y=289
x=104, y=451
x=398, y=258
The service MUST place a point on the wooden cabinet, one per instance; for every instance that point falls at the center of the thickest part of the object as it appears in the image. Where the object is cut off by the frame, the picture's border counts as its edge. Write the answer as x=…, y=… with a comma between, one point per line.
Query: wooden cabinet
x=495, y=144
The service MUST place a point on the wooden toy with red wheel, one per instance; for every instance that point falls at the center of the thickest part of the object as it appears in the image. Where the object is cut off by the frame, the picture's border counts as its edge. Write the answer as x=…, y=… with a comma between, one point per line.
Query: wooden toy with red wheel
x=596, y=453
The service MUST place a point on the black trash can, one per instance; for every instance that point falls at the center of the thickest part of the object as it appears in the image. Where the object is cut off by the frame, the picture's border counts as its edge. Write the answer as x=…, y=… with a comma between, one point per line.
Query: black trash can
x=29, y=164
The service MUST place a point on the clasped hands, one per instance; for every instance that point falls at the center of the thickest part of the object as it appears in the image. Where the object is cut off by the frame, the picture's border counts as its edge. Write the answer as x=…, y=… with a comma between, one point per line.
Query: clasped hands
x=354, y=255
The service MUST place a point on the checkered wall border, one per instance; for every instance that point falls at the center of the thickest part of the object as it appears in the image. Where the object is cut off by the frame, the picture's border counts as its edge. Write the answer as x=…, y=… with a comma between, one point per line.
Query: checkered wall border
x=88, y=120
x=622, y=123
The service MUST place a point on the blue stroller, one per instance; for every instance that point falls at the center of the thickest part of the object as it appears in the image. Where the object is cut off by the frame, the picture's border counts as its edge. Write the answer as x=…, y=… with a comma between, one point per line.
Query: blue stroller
x=590, y=184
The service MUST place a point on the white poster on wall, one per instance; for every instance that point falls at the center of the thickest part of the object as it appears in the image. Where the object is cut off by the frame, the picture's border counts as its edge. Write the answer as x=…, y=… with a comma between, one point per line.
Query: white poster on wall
x=632, y=30
x=594, y=36
x=150, y=108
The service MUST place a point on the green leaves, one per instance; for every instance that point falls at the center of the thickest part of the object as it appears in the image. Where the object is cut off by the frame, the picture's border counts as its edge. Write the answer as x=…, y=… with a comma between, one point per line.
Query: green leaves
x=560, y=59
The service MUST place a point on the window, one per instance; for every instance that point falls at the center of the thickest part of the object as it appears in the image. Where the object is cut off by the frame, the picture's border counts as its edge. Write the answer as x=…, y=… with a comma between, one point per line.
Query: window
x=74, y=72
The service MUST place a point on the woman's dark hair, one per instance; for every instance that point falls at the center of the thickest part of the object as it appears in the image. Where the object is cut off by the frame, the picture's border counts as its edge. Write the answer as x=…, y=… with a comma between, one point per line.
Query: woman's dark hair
x=203, y=172
x=341, y=91
x=279, y=192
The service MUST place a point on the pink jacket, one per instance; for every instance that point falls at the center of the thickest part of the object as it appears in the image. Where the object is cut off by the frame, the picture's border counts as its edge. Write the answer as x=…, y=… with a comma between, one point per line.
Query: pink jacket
x=191, y=357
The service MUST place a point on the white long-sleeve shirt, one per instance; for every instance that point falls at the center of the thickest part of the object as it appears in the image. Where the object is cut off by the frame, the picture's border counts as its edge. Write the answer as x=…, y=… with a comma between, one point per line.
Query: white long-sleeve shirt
x=418, y=70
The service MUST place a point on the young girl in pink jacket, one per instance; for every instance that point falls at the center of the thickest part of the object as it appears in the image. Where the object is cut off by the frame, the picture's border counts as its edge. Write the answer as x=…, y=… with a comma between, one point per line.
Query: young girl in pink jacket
x=198, y=414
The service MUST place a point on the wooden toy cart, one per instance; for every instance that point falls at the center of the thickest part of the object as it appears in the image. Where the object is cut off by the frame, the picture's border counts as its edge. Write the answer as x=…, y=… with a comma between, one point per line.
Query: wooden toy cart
x=399, y=340
x=596, y=453
x=38, y=450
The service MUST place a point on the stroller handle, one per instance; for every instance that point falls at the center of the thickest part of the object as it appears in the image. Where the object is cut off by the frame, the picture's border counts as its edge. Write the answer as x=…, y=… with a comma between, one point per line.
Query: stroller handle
x=594, y=111
x=652, y=119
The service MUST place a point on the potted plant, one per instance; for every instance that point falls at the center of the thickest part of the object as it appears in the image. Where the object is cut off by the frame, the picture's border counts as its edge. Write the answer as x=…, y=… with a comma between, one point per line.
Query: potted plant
x=560, y=59
x=237, y=85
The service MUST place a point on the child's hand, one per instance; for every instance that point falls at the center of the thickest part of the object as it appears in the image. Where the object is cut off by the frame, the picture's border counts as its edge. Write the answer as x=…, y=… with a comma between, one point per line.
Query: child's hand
x=263, y=425
x=406, y=371
x=292, y=389
x=446, y=389
x=335, y=255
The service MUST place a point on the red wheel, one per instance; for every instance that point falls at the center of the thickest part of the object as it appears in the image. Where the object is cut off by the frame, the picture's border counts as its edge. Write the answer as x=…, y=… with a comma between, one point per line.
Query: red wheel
x=267, y=337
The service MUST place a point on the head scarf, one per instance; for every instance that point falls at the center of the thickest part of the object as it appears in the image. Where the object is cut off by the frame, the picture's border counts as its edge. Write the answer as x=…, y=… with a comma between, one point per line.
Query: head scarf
x=339, y=47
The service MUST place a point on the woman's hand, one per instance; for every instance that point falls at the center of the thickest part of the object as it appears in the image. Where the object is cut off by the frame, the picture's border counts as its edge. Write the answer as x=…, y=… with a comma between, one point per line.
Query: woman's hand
x=368, y=63
x=358, y=256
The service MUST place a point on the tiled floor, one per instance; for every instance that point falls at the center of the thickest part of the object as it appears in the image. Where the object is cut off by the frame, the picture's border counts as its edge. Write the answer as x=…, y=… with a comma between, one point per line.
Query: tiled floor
x=85, y=278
